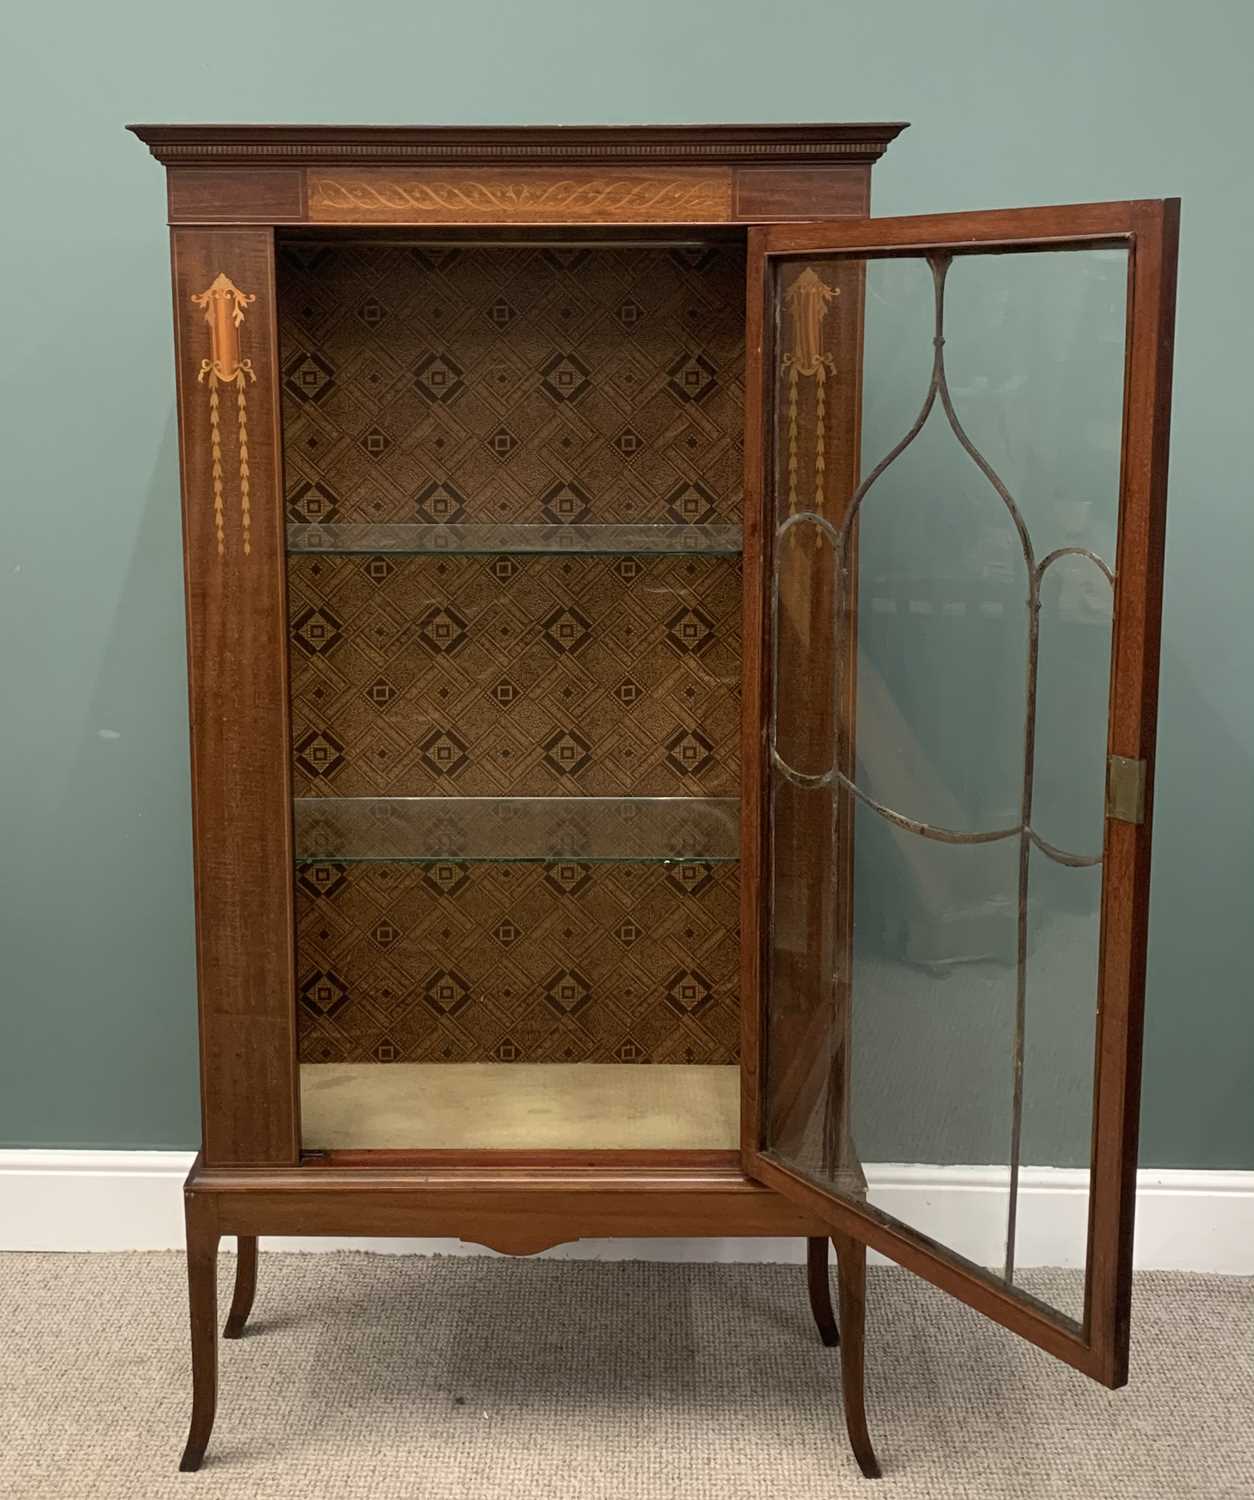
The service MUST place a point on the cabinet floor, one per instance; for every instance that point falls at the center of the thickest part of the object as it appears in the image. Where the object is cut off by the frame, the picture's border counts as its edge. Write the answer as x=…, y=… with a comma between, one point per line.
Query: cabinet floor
x=528, y=1106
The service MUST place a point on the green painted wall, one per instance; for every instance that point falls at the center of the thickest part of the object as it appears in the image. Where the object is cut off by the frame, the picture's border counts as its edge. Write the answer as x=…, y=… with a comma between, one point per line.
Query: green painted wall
x=1010, y=104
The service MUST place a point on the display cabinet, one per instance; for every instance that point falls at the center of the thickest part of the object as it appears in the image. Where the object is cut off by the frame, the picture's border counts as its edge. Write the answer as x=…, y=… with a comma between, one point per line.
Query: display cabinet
x=673, y=678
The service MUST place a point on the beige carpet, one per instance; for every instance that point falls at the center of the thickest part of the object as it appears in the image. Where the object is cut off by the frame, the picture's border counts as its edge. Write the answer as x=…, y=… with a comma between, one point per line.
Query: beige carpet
x=394, y=1377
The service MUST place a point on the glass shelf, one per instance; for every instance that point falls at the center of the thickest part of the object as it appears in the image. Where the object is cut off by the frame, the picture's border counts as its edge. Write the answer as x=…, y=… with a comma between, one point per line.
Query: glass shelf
x=497, y=537
x=511, y=829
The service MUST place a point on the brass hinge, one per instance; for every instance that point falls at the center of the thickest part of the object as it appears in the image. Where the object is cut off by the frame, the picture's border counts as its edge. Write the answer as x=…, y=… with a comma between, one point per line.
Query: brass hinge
x=1125, y=789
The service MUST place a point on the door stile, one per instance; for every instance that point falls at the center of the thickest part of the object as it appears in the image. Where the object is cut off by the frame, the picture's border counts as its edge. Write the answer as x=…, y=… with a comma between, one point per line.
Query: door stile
x=847, y=735
x=227, y=368
x=1133, y=729
x=755, y=562
x=822, y=466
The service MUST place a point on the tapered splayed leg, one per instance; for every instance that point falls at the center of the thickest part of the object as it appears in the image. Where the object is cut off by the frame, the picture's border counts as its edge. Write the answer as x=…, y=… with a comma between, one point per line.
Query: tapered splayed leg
x=821, y=1291
x=851, y=1266
x=245, y=1286
x=202, y=1293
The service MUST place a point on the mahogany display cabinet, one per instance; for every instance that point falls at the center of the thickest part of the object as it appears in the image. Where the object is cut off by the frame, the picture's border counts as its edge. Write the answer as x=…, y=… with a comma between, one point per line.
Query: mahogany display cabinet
x=673, y=678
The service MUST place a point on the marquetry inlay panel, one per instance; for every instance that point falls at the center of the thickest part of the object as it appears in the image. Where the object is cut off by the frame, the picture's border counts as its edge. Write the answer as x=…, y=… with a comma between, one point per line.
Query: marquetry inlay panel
x=521, y=195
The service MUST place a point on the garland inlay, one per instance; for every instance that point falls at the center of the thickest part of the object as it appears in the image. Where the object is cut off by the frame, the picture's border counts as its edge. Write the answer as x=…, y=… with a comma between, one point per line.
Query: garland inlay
x=807, y=300
x=535, y=194
x=224, y=306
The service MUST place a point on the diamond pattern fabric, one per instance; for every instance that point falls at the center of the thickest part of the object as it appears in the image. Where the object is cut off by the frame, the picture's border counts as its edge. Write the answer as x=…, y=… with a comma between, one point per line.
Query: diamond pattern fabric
x=464, y=385
x=534, y=385
x=565, y=962
x=515, y=676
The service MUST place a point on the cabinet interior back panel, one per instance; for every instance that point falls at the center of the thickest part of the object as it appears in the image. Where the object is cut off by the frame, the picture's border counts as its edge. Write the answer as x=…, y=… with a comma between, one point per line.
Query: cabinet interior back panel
x=522, y=385
x=505, y=384
x=558, y=963
x=515, y=676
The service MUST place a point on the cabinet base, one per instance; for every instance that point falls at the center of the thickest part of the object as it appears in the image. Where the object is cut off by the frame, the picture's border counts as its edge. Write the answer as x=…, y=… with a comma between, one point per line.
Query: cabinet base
x=516, y=1209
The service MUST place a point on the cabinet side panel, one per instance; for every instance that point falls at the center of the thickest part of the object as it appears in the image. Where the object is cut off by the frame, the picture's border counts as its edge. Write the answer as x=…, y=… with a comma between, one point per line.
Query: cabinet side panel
x=227, y=372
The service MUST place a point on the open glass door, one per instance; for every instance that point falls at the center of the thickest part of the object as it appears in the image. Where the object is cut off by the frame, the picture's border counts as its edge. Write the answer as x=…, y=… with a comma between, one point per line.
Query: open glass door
x=960, y=428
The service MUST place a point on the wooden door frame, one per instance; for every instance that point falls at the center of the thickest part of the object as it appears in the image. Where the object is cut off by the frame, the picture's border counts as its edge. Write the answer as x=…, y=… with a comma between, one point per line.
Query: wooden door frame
x=1149, y=231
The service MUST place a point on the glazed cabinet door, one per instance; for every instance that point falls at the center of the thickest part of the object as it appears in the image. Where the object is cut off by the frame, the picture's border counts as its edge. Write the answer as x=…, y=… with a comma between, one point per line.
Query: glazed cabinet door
x=227, y=371
x=958, y=433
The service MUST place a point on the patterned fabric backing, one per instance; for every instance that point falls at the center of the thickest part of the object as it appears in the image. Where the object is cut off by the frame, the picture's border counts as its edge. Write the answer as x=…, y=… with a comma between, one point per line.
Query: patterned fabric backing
x=512, y=385
x=534, y=386
x=515, y=676
x=566, y=962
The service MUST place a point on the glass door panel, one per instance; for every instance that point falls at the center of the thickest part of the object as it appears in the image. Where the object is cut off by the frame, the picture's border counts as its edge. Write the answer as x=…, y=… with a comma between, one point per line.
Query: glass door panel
x=959, y=421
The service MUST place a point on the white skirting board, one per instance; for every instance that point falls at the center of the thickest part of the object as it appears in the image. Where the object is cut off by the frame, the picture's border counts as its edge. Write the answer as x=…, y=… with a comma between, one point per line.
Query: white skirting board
x=1186, y=1220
